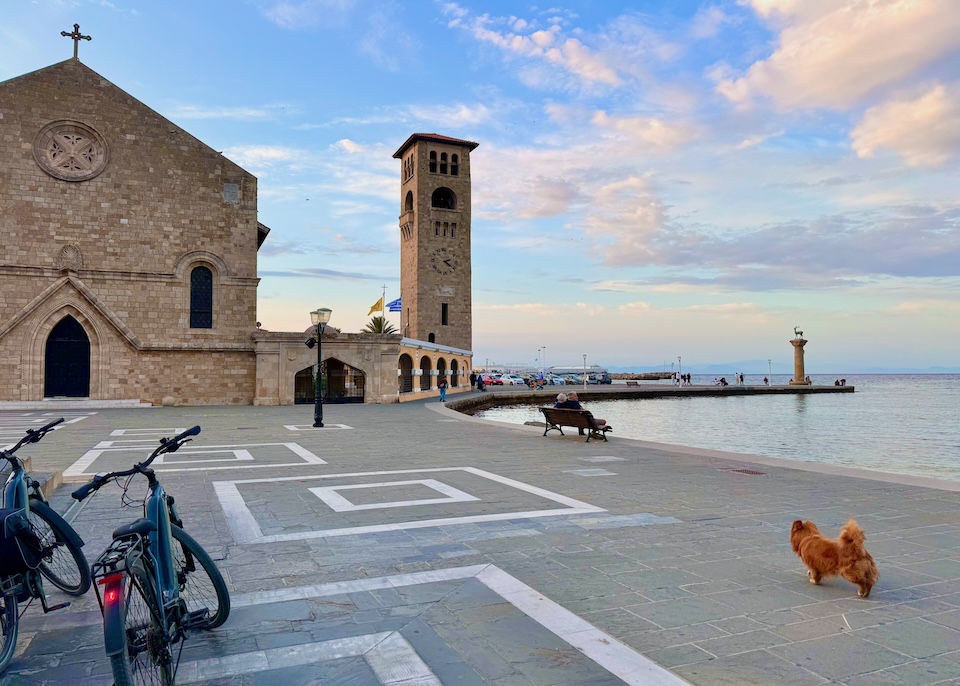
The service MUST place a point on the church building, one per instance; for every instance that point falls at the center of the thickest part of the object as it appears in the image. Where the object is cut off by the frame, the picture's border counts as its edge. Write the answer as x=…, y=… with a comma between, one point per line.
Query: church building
x=129, y=270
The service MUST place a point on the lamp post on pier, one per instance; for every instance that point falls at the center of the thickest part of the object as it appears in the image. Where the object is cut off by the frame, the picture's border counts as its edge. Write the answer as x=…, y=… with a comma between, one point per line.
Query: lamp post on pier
x=319, y=317
x=584, y=371
x=680, y=369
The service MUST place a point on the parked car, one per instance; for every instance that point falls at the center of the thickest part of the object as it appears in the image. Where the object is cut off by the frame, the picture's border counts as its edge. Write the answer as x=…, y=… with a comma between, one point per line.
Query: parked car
x=557, y=381
x=512, y=380
x=599, y=378
x=491, y=379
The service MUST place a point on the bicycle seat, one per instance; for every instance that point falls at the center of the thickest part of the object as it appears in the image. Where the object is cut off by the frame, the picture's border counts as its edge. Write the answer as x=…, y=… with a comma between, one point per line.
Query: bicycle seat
x=140, y=527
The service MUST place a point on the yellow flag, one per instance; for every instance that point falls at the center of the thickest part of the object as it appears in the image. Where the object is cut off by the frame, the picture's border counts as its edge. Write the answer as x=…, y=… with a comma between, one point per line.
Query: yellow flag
x=376, y=307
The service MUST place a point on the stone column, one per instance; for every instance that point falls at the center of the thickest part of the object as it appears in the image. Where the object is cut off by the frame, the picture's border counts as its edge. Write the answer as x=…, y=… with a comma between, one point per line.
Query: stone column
x=799, y=376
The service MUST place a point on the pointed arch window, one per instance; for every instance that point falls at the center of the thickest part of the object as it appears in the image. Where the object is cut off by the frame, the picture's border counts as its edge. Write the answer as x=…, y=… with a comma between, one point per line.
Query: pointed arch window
x=433, y=162
x=443, y=163
x=201, y=298
x=454, y=165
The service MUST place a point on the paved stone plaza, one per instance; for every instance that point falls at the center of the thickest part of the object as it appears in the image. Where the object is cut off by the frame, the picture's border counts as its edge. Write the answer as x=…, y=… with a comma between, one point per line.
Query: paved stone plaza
x=373, y=551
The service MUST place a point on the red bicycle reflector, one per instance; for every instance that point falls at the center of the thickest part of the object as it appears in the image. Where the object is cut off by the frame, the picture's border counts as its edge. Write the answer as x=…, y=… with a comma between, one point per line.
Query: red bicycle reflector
x=112, y=595
x=104, y=580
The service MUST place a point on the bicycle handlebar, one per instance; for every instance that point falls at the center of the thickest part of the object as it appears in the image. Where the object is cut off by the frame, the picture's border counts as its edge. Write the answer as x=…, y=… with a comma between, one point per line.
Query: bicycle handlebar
x=167, y=445
x=33, y=435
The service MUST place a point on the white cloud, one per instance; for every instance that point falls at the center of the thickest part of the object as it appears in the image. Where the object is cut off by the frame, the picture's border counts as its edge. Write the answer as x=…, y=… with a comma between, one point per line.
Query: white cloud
x=708, y=22
x=924, y=131
x=728, y=309
x=292, y=15
x=386, y=42
x=649, y=132
x=235, y=113
x=623, y=216
x=349, y=146
x=260, y=156
x=835, y=53
x=543, y=45
x=453, y=116
x=638, y=307
x=757, y=139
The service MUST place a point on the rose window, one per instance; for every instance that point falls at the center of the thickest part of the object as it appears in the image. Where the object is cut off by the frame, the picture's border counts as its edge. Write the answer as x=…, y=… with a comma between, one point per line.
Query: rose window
x=70, y=151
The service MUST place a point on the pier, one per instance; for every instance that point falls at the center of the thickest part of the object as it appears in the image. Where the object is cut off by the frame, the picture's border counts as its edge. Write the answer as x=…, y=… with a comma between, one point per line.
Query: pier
x=523, y=395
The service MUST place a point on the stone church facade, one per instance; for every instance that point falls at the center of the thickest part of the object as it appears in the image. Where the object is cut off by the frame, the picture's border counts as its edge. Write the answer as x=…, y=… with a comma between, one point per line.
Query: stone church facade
x=129, y=269
x=130, y=261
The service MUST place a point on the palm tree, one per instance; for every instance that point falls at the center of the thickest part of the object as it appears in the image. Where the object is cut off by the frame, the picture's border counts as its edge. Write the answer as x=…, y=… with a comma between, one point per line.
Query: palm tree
x=379, y=325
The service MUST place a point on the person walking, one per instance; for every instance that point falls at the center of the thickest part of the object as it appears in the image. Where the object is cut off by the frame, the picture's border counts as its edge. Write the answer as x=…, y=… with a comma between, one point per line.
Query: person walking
x=473, y=380
x=442, y=385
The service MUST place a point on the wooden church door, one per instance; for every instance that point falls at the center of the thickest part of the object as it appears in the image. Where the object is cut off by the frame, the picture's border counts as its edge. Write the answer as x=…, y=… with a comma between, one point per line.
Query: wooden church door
x=67, y=361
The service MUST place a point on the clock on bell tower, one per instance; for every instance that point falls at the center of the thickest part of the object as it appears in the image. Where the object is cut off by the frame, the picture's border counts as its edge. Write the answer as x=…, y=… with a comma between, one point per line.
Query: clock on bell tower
x=435, y=274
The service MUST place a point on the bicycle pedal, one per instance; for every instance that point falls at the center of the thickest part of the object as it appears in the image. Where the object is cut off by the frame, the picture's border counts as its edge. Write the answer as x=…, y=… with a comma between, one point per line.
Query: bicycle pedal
x=196, y=618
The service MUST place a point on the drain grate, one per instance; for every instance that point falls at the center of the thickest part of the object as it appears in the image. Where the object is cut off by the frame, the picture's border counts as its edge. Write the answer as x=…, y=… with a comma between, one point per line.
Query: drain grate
x=752, y=472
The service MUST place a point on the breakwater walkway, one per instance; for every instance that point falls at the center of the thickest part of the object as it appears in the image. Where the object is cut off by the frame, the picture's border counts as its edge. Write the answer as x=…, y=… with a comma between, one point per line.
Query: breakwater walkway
x=522, y=395
x=412, y=544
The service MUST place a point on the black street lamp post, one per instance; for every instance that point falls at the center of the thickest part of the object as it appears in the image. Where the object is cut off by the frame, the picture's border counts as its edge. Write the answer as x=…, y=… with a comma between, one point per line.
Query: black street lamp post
x=319, y=317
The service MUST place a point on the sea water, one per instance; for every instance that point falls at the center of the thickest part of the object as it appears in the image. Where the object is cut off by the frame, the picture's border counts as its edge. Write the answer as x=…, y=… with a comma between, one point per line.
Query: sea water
x=904, y=424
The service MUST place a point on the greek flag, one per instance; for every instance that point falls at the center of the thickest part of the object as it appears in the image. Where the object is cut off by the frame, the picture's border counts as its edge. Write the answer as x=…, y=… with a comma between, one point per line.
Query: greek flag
x=394, y=306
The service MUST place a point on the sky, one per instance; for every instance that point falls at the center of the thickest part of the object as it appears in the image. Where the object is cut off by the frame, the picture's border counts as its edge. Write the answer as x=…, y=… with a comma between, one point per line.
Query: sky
x=654, y=180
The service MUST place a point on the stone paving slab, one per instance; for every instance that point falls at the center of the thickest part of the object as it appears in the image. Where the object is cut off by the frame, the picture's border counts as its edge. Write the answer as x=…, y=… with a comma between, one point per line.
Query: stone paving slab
x=686, y=564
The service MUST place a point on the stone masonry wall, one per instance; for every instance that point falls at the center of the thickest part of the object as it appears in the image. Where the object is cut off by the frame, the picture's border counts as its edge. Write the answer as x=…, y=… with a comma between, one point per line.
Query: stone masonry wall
x=162, y=203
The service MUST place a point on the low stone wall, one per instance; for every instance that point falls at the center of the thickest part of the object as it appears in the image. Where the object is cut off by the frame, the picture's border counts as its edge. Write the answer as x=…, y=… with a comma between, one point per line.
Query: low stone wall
x=547, y=396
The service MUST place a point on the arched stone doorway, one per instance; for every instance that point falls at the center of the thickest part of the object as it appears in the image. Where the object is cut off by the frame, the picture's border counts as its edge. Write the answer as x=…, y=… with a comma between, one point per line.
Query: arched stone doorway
x=454, y=376
x=406, y=374
x=425, y=367
x=304, y=386
x=340, y=383
x=66, y=367
x=442, y=370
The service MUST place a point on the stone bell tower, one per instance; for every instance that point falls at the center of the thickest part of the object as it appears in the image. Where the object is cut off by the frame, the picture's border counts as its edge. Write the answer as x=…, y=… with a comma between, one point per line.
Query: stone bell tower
x=435, y=273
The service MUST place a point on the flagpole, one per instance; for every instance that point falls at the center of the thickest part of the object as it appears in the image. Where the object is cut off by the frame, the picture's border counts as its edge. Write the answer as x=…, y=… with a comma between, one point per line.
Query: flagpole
x=383, y=306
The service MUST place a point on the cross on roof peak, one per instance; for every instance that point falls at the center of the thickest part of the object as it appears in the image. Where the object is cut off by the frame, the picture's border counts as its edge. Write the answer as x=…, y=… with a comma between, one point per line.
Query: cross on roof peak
x=77, y=37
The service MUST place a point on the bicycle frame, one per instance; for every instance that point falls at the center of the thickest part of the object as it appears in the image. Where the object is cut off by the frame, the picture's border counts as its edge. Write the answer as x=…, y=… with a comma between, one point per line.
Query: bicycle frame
x=151, y=546
x=154, y=551
x=158, y=510
x=20, y=487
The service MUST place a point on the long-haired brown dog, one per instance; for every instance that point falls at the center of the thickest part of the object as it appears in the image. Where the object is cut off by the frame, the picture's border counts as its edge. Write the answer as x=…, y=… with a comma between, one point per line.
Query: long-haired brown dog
x=826, y=557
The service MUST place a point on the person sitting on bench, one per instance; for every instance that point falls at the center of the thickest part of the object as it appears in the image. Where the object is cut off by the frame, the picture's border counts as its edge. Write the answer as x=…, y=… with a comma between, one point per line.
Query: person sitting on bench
x=571, y=402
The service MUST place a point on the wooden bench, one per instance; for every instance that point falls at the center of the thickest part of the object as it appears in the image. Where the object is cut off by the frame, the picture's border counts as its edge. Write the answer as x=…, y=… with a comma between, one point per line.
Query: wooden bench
x=579, y=419
x=633, y=383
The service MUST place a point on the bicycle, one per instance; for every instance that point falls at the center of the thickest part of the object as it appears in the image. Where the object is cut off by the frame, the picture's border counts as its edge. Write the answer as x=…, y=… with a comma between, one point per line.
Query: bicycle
x=38, y=543
x=155, y=583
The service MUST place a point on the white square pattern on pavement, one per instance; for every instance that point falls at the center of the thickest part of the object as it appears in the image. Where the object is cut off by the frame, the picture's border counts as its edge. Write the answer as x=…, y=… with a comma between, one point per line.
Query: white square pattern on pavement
x=337, y=503
x=394, y=661
x=139, y=443
x=246, y=529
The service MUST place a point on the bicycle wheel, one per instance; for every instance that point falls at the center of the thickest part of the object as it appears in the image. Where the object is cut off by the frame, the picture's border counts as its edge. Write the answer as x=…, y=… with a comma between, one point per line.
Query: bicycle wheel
x=9, y=623
x=201, y=583
x=63, y=563
x=146, y=657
